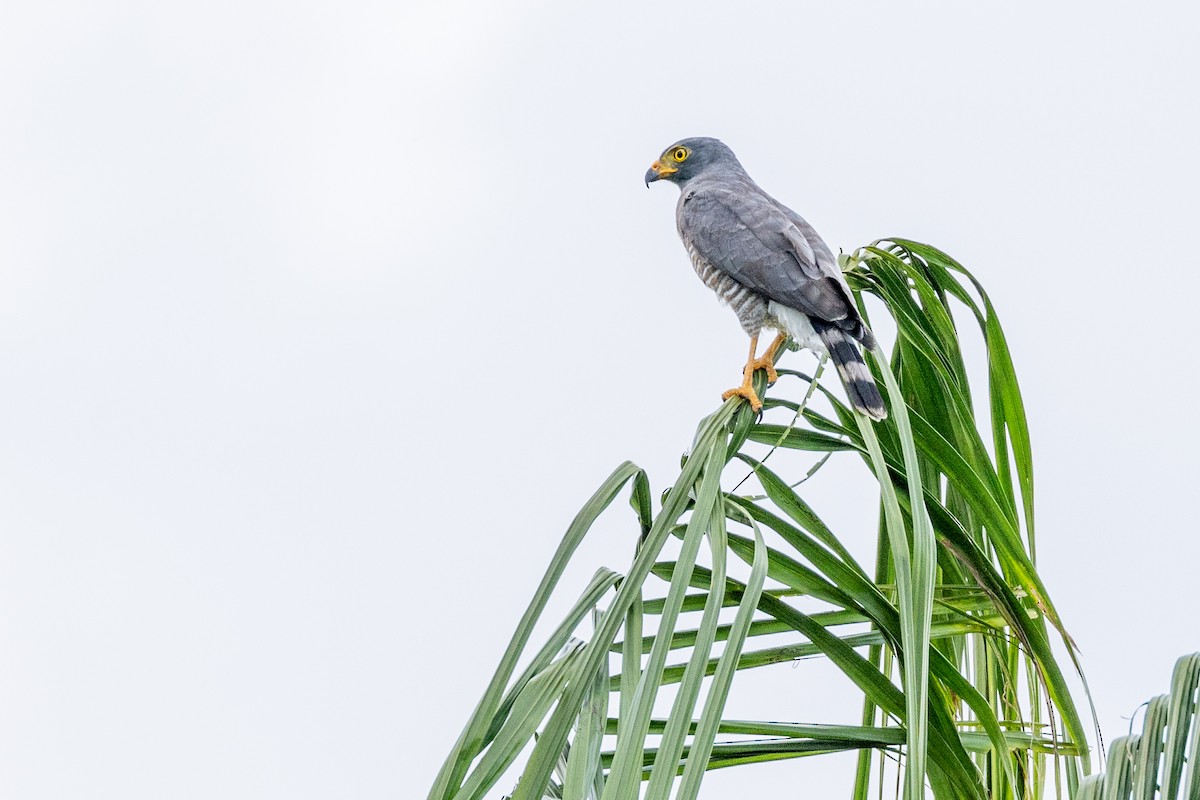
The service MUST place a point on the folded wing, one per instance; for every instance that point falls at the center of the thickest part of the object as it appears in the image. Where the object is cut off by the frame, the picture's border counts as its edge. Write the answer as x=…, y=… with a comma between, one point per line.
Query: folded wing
x=770, y=249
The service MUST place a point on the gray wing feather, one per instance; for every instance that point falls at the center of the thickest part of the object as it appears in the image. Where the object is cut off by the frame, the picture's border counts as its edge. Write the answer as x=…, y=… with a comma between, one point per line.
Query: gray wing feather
x=768, y=248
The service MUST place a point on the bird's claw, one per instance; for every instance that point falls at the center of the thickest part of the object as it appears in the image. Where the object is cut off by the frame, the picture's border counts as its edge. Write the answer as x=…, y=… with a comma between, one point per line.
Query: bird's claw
x=765, y=362
x=745, y=391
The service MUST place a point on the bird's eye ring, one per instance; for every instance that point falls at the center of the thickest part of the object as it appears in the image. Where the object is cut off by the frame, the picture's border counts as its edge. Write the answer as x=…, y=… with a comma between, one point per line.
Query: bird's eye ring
x=680, y=153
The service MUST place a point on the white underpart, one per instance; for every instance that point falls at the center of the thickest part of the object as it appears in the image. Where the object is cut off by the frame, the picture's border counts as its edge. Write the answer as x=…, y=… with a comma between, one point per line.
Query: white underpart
x=796, y=325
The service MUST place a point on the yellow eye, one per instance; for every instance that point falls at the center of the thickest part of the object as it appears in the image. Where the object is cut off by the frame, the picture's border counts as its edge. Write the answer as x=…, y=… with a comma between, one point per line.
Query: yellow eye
x=680, y=153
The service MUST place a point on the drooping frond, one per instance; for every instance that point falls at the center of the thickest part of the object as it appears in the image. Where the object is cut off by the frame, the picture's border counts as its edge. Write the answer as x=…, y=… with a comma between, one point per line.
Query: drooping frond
x=947, y=636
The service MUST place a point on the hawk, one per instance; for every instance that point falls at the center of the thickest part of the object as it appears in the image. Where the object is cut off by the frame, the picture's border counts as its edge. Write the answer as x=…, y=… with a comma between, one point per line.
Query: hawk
x=767, y=264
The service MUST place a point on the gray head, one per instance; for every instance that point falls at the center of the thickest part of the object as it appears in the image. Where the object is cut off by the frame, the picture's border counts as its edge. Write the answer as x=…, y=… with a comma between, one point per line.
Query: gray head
x=688, y=158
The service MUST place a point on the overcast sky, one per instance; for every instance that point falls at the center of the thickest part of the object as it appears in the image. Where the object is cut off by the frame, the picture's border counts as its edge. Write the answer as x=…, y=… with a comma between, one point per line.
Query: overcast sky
x=318, y=321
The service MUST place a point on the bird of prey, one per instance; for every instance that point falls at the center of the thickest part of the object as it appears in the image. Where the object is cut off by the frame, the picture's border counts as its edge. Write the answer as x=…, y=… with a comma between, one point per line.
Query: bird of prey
x=768, y=264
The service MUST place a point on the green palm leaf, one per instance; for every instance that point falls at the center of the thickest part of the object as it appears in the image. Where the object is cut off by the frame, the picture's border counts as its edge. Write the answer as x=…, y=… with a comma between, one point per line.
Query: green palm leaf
x=947, y=638
x=1170, y=736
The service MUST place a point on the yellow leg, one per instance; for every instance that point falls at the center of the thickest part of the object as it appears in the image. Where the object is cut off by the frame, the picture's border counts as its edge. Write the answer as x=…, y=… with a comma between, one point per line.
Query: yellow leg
x=767, y=361
x=753, y=362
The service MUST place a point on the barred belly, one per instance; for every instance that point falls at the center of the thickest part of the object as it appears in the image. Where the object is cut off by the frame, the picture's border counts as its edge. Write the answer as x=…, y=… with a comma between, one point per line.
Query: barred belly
x=750, y=306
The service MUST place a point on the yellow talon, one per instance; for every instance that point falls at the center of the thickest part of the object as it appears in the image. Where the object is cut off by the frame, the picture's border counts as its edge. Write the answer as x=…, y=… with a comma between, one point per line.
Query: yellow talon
x=746, y=390
x=767, y=362
x=754, y=363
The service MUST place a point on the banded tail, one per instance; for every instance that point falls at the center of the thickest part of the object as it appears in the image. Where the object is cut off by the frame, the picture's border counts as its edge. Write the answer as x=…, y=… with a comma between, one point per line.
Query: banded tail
x=843, y=351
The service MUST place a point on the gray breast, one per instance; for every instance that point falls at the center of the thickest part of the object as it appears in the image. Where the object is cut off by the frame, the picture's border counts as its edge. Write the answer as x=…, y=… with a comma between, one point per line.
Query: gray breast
x=750, y=307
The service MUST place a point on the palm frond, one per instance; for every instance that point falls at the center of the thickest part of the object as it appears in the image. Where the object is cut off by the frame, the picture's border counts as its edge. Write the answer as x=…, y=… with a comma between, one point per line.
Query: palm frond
x=1151, y=765
x=947, y=637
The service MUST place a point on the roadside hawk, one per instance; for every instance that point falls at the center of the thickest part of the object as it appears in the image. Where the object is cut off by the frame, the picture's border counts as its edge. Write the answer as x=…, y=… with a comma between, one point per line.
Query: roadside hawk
x=768, y=264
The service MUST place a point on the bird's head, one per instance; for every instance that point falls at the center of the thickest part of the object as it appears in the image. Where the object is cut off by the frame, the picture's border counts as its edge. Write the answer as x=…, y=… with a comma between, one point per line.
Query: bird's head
x=688, y=158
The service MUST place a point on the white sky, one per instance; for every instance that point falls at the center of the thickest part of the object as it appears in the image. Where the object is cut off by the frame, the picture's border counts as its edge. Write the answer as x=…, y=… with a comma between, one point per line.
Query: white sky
x=318, y=317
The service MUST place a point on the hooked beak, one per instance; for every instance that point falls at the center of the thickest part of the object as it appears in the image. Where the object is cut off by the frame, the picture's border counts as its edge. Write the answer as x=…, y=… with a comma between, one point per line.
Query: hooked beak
x=658, y=170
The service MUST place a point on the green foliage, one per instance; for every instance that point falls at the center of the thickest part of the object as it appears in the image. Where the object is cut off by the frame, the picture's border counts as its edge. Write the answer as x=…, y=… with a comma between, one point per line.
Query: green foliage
x=1150, y=764
x=948, y=638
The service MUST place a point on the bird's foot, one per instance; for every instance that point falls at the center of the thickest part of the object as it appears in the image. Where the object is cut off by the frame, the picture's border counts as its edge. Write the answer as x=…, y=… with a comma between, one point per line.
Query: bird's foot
x=754, y=363
x=746, y=390
x=767, y=362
